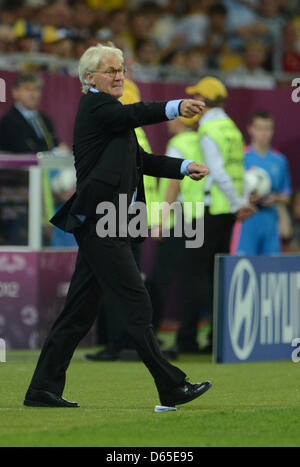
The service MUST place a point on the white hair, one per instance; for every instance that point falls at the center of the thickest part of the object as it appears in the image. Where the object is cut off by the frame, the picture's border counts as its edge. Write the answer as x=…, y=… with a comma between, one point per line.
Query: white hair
x=89, y=61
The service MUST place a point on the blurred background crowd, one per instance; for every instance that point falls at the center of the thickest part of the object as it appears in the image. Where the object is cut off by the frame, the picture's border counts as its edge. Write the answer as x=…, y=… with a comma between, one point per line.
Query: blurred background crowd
x=243, y=37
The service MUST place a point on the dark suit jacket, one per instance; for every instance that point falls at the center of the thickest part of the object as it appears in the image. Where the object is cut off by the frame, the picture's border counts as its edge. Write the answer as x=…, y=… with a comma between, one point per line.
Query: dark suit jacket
x=108, y=158
x=18, y=136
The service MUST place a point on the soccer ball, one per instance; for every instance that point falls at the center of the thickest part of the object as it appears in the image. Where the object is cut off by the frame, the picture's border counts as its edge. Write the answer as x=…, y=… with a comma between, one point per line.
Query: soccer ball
x=65, y=180
x=257, y=181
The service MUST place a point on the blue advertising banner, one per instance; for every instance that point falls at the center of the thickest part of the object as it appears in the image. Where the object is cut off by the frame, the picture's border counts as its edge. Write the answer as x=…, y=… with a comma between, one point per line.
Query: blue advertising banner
x=256, y=308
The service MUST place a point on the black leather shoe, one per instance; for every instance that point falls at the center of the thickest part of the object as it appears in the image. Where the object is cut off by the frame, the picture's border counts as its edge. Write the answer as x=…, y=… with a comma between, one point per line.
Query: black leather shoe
x=184, y=393
x=37, y=398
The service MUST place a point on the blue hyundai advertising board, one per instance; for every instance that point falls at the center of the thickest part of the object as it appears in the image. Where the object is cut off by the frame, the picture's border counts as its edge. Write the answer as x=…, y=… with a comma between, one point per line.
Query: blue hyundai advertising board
x=256, y=308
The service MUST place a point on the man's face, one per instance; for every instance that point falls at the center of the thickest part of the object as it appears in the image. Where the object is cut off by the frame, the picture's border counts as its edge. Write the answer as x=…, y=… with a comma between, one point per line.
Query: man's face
x=109, y=76
x=28, y=95
x=261, y=131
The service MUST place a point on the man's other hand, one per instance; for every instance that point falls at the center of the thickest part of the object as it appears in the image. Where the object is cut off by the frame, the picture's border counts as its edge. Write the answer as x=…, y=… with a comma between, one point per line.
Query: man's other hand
x=244, y=212
x=190, y=107
x=197, y=171
x=269, y=200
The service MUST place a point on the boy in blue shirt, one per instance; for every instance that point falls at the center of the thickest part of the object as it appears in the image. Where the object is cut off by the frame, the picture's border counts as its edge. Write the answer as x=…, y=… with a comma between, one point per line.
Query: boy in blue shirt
x=259, y=235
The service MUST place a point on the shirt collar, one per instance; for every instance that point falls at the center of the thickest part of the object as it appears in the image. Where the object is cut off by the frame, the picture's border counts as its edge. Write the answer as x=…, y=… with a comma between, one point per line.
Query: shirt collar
x=95, y=90
x=27, y=114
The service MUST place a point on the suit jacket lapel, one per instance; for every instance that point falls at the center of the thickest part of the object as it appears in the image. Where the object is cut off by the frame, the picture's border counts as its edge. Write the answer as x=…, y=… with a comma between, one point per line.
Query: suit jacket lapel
x=32, y=140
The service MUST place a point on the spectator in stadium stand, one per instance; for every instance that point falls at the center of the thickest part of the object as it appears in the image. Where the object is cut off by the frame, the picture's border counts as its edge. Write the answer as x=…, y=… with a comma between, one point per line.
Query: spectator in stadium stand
x=242, y=21
x=115, y=26
x=58, y=14
x=65, y=48
x=109, y=162
x=221, y=145
x=7, y=43
x=139, y=27
x=26, y=130
x=251, y=74
x=35, y=130
x=259, y=235
x=195, y=60
x=194, y=25
x=27, y=44
x=162, y=23
x=84, y=19
x=216, y=42
x=291, y=52
x=271, y=17
x=146, y=52
x=176, y=59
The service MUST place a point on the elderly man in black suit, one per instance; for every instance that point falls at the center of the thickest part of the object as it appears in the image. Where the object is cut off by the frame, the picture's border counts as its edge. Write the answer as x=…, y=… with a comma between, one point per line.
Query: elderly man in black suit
x=110, y=166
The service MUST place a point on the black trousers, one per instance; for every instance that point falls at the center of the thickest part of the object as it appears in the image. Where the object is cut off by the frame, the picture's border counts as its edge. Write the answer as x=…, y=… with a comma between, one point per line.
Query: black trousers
x=167, y=268
x=104, y=266
x=117, y=338
x=198, y=267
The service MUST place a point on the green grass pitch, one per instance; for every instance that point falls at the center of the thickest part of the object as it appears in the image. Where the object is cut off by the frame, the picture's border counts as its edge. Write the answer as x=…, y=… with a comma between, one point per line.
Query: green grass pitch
x=251, y=404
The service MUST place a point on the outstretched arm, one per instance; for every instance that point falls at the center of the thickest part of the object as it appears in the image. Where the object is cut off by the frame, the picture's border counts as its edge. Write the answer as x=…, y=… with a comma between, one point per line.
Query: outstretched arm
x=114, y=117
